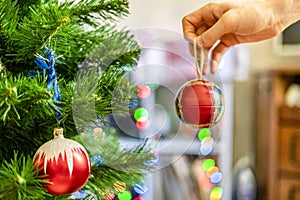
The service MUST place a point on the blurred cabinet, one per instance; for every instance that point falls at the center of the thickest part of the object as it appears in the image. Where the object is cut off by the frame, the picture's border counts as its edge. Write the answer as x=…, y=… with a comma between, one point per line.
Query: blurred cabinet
x=277, y=136
x=289, y=189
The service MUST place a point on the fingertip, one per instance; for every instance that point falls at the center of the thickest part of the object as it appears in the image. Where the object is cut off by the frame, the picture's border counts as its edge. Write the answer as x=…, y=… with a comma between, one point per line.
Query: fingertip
x=218, y=52
x=214, y=66
x=205, y=70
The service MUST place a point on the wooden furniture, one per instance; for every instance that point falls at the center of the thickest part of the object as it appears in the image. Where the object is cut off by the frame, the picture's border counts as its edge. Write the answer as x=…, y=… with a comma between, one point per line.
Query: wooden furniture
x=277, y=137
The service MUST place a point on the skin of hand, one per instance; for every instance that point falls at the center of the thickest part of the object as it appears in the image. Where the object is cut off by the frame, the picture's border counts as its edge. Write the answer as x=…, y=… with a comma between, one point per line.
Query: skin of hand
x=223, y=24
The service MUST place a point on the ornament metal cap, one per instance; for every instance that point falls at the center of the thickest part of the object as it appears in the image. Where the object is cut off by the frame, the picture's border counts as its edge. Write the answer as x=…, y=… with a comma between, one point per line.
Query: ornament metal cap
x=58, y=132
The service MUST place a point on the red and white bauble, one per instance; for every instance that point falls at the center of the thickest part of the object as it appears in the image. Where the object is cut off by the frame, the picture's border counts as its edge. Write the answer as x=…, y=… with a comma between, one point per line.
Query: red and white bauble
x=200, y=103
x=65, y=163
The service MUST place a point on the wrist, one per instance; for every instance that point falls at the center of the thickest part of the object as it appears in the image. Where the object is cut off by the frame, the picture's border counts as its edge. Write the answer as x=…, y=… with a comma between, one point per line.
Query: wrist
x=286, y=12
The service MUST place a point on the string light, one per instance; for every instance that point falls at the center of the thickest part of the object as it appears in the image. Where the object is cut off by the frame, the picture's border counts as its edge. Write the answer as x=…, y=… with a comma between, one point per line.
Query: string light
x=209, y=164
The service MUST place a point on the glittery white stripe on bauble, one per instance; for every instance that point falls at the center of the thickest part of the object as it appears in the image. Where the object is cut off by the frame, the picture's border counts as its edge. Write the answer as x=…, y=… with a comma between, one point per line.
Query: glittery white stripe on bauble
x=59, y=146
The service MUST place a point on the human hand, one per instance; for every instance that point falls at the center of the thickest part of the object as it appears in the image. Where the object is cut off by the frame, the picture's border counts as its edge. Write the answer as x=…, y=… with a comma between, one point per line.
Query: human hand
x=224, y=24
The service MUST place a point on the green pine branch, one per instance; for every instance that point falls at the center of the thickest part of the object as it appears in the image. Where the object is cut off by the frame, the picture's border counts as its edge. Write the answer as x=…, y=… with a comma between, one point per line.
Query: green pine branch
x=27, y=95
x=26, y=106
x=109, y=93
x=43, y=26
x=115, y=163
x=62, y=28
x=8, y=23
x=130, y=159
x=9, y=17
x=95, y=12
x=20, y=180
x=107, y=178
x=92, y=67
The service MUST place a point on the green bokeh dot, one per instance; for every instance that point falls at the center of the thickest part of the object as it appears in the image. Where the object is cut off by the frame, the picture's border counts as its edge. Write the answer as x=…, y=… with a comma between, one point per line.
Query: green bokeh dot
x=208, y=163
x=203, y=133
x=126, y=195
x=219, y=189
x=216, y=192
x=140, y=113
x=153, y=86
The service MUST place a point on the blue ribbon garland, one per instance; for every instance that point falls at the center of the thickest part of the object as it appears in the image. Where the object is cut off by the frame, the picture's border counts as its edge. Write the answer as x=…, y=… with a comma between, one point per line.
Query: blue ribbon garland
x=52, y=82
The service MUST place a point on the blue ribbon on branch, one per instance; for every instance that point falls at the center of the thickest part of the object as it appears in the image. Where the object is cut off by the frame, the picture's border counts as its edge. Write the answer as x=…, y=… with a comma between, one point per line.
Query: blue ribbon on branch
x=52, y=82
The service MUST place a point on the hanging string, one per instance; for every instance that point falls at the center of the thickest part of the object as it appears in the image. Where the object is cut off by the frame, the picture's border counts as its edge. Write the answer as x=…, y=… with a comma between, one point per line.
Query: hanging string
x=52, y=82
x=200, y=59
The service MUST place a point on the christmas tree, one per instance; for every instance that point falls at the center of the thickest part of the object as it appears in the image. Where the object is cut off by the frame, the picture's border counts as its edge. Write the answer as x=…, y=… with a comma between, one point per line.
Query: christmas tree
x=63, y=64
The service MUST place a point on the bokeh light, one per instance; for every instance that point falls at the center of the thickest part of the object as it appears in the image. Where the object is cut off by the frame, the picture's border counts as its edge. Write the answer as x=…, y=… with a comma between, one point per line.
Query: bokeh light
x=142, y=123
x=141, y=113
x=144, y=91
x=109, y=195
x=211, y=171
x=126, y=195
x=203, y=133
x=153, y=86
x=155, y=158
x=216, y=177
x=208, y=163
x=119, y=186
x=140, y=188
x=216, y=193
x=138, y=198
x=206, y=148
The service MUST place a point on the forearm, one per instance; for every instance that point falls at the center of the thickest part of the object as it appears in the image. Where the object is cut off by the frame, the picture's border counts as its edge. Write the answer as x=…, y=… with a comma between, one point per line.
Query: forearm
x=287, y=3
x=287, y=11
x=280, y=13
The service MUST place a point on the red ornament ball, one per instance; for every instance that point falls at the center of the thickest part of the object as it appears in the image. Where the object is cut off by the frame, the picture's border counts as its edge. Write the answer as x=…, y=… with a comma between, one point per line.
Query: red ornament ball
x=200, y=103
x=65, y=163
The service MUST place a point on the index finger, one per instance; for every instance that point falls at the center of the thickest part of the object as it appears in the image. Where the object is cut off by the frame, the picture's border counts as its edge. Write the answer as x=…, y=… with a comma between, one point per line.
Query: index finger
x=190, y=24
x=197, y=22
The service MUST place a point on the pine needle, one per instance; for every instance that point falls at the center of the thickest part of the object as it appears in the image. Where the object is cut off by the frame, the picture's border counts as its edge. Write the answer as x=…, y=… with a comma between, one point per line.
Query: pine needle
x=20, y=180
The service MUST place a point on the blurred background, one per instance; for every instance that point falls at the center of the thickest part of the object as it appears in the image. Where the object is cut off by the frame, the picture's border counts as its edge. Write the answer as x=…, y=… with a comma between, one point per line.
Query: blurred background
x=257, y=80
